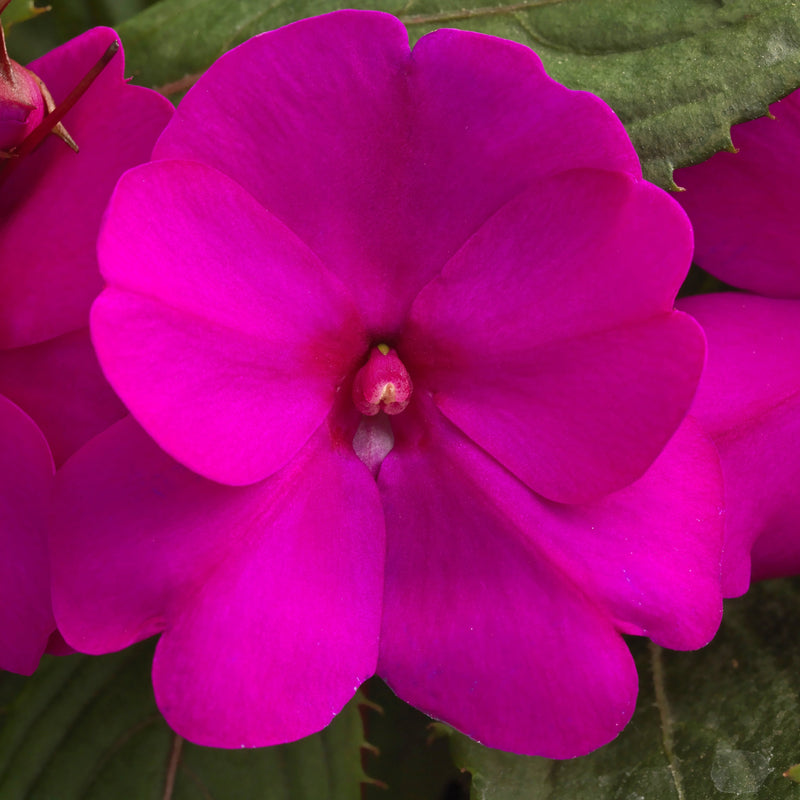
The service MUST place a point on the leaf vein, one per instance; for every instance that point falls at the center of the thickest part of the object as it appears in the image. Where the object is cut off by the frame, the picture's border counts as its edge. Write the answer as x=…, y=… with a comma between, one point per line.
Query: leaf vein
x=471, y=13
x=105, y=757
x=198, y=782
x=77, y=715
x=172, y=766
x=662, y=702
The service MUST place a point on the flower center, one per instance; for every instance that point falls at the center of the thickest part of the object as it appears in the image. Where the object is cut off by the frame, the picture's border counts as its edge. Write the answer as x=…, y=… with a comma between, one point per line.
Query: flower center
x=382, y=384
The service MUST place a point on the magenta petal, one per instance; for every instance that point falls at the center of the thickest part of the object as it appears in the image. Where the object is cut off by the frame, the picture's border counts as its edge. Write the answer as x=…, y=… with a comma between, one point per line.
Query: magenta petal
x=59, y=383
x=749, y=401
x=577, y=418
x=132, y=533
x=52, y=204
x=575, y=253
x=652, y=551
x=314, y=124
x=481, y=628
x=753, y=364
x=269, y=595
x=392, y=159
x=552, y=326
x=56, y=646
x=26, y=472
x=762, y=472
x=744, y=206
x=220, y=330
x=486, y=123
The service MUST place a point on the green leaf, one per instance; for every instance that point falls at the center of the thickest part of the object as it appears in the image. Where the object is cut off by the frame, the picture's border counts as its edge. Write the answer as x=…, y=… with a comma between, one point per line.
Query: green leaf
x=409, y=757
x=793, y=773
x=698, y=281
x=710, y=725
x=88, y=728
x=20, y=11
x=64, y=20
x=678, y=72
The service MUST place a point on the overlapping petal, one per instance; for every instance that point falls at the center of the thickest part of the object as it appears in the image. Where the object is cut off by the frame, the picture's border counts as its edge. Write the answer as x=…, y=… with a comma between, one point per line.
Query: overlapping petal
x=744, y=206
x=480, y=627
x=553, y=327
x=60, y=385
x=269, y=595
x=314, y=124
x=496, y=596
x=578, y=252
x=26, y=470
x=762, y=471
x=51, y=205
x=486, y=123
x=220, y=330
x=651, y=552
x=392, y=159
x=749, y=401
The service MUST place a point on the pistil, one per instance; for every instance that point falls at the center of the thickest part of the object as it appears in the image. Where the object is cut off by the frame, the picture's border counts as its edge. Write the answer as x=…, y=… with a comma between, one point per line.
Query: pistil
x=382, y=384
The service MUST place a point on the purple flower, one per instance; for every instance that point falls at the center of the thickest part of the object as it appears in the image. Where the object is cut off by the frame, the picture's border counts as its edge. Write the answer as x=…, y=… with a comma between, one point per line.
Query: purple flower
x=744, y=206
x=406, y=321
x=50, y=210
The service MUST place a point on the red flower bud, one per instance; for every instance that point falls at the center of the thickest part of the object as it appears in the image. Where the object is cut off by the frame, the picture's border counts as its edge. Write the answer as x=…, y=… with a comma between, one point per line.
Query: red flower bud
x=22, y=104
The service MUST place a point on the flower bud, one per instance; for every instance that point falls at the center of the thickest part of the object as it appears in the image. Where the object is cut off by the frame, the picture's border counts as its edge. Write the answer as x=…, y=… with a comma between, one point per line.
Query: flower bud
x=22, y=104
